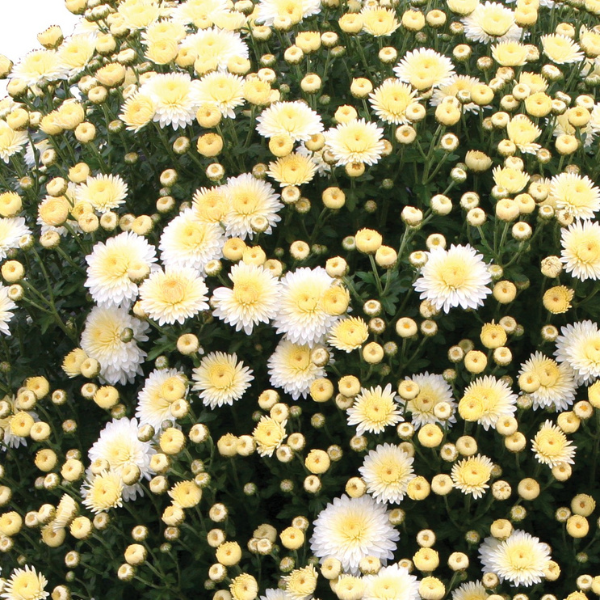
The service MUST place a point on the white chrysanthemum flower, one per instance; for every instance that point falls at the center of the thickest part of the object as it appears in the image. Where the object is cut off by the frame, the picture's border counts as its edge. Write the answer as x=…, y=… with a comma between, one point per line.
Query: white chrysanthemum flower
x=356, y=141
x=138, y=14
x=350, y=529
x=6, y=308
x=291, y=369
x=393, y=582
x=424, y=68
x=102, y=339
x=472, y=474
x=294, y=119
x=77, y=51
x=302, y=315
x=211, y=205
x=158, y=31
x=221, y=379
x=348, y=334
x=249, y=198
x=11, y=141
x=113, y=265
x=521, y=559
x=454, y=277
x=575, y=194
x=491, y=22
x=557, y=386
x=551, y=446
x=254, y=298
x=173, y=97
x=220, y=89
x=561, y=49
x=486, y=400
x=387, y=471
x=119, y=445
x=294, y=169
x=39, y=66
x=102, y=492
x=9, y=439
x=374, y=409
x=25, y=584
x=188, y=241
x=198, y=12
x=471, y=590
x=457, y=83
x=161, y=389
x=103, y=192
x=581, y=249
x=296, y=10
x=433, y=389
x=214, y=47
x=390, y=101
x=523, y=132
x=11, y=231
x=578, y=345
x=275, y=594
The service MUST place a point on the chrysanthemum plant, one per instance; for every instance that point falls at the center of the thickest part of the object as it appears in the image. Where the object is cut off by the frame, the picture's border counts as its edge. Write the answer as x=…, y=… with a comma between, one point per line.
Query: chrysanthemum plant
x=298, y=301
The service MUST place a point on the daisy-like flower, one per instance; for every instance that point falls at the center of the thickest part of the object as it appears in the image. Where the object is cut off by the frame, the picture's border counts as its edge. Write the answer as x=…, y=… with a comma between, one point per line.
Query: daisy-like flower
x=119, y=445
x=173, y=97
x=581, y=249
x=25, y=584
x=11, y=141
x=472, y=474
x=523, y=132
x=374, y=409
x=275, y=594
x=291, y=369
x=379, y=21
x=221, y=379
x=269, y=435
x=249, y=198
x=103, y=339
x=424, y=68
x=102, y=492
x=301, y=583
x=454, y=277
x=253, y=299
x=214, y=47
x=77, y=51
x=491, y=22
x=210, y=205
x=510, y=54
x=11, y=231
x=512, y=180
x=557, y=387
x=38, y=67
x=390, y=101
x=578, y=345
x=6, y=308
x=561, y=49
x=223, y=90
x=471, y=590
x=103, y=192
x=138, y=110
x=198, y=12
x=185, y=494
x=161, y=389
x=391, y=582
x=293, y=169
x=188, y=241
x=302, y=312
x=296, y=10
x=138, y=14
x=433, y=389
x=350, y=529
x=10, y=439
x=387, y=471
x=521, y=559
x=173, y=295
x=551, y=446
x=486, y=400
x=457, y=83
x=356, y=141
x=294, y=119
x=348, y=334
x=114, y=266
x=575, y=194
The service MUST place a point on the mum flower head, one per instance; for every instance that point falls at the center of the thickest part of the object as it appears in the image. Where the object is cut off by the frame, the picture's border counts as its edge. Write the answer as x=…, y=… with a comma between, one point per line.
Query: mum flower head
x=580, y=254
x=486, y=400
x=551, y=446
x=11, y=231
x=221, y=379
x=491, y=22
x=295, y=10
x=103, y=192
x=575, y=194
x=391, y=99
x=561, y=49
x=293, y=169
x=349, y=529
x=348, y=334
x=102, y=492
x=578, y=345
x=223, y=90
x=357, y=141
x=433, y=389
x=521, y=559
x=472, y=474
x=174, y=100
x=295, y=119
x=25, y=584
x=6, y=308
x=424, y=68
x=454, y=277
x=11, y=141
x=161, y=388
x=374, y=409
x=390, y=582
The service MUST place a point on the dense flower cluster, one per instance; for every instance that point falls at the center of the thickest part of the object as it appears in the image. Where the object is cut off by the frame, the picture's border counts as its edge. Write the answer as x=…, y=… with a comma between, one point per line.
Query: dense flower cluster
x=298, y=301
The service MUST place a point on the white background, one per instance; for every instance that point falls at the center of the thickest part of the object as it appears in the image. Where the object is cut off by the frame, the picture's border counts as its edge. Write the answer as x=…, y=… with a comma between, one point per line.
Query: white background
x=22, y=20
